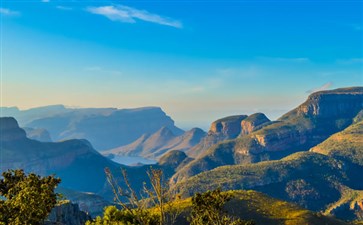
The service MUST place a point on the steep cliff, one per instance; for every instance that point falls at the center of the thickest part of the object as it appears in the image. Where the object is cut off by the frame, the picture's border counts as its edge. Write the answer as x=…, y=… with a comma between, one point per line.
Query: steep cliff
x=253, y=122
x=323, y=114
x=220, y=130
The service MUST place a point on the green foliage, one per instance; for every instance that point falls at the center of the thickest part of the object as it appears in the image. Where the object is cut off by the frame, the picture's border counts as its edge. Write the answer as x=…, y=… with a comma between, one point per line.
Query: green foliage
x=114, y=216
x=27, y=199
x=208, y=208
x=153, y=208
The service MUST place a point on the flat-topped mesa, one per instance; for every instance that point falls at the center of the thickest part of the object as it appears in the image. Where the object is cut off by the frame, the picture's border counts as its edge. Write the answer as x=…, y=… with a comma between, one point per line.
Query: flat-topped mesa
x=342, y=102
x=10, y=130
x=229, y=127
x=253, y=123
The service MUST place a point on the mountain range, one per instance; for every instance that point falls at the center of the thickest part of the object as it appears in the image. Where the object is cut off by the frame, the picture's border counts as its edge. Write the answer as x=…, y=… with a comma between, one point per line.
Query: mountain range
x=311, y=156
x=105, y=128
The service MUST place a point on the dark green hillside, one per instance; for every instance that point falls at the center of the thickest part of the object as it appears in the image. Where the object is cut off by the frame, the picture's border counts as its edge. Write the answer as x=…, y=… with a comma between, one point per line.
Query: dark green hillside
x=323, y=114
x=347, y=145
x=308, y=179
x=246, y=205
x=262, y=209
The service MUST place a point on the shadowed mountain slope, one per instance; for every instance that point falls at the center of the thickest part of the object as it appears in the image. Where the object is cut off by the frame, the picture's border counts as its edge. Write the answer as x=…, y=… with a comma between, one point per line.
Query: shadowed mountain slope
x=323, y=114
x=155, y=145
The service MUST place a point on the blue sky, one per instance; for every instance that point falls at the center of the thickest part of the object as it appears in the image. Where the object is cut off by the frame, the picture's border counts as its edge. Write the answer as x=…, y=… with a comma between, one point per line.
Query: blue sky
x=198, y=60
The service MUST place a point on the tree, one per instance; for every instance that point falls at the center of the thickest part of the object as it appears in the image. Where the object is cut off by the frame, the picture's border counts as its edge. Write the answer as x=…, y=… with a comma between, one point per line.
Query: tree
x=207, y=209
x=26, y=199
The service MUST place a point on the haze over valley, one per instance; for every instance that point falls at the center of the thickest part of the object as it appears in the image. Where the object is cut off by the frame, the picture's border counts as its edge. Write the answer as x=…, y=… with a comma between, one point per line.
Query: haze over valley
x=181, y=112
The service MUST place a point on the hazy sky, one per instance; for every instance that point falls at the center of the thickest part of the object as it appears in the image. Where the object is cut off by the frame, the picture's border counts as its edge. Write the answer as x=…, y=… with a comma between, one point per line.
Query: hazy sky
x=198, y=60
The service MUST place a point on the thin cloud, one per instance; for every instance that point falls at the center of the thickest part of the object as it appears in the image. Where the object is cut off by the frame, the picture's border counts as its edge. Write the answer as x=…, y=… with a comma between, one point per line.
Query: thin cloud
x=64, y=8
x=322, y=88
x=350, y=61
x=282, y=59
x=9, y=12
x=127, y=14
x=45, y=1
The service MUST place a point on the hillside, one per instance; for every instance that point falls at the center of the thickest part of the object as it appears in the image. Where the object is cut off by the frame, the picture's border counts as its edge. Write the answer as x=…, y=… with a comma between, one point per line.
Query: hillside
x=260, y=208
x=346, y=145
x=155, y=145
x=105, y=128
x=76, y=162
x=330, y=181
x=321, y=115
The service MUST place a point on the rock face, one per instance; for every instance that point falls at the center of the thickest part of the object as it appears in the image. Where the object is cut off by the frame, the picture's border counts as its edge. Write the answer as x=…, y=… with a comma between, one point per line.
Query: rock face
x=105, y=128
x=38, y=134
x=9, y=130
x=67, y=214
x=155, y=145
x=220, y=130
x=253, y=123
x=323, y=114
x=230, y=127
x=333, y=104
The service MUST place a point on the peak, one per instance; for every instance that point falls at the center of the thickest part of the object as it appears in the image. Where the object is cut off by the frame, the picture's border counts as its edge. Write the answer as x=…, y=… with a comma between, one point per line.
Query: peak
x=253, y=122
x=257, y=117
x=10, y=130
x=228, y=126
x=165, y=131
x=196, y=130
x=174, y=157
x=7, y=123
x=231, y=118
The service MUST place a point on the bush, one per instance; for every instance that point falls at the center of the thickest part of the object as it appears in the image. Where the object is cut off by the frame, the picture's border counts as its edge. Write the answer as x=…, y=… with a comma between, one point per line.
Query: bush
x=26, y=199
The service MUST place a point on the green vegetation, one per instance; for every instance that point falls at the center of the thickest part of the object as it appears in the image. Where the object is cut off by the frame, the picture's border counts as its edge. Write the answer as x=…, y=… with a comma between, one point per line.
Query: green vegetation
x=347, y=145
x=298, y=178
x=154, y=208
x=27, y=199
x=208, y=208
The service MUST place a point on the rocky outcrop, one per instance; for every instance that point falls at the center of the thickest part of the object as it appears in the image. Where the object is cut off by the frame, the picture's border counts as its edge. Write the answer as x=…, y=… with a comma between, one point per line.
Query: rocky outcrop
x=10, y=131
x=67, y=213
x=229, y=127
x=332, y=104
x=323, y=114
x=220, y=130
x=253, y=123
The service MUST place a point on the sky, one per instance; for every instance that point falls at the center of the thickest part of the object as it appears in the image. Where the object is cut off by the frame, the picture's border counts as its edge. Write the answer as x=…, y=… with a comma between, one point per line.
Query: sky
x=199, y=60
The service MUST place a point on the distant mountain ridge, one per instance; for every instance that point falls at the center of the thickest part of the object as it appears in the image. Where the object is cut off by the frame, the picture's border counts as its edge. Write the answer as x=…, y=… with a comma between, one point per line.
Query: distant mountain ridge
x=155, y=145
x=105, y=128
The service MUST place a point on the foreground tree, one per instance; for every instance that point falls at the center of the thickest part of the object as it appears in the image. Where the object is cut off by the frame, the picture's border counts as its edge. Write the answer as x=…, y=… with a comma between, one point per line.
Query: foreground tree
x=208, y=209
x=26, y=199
